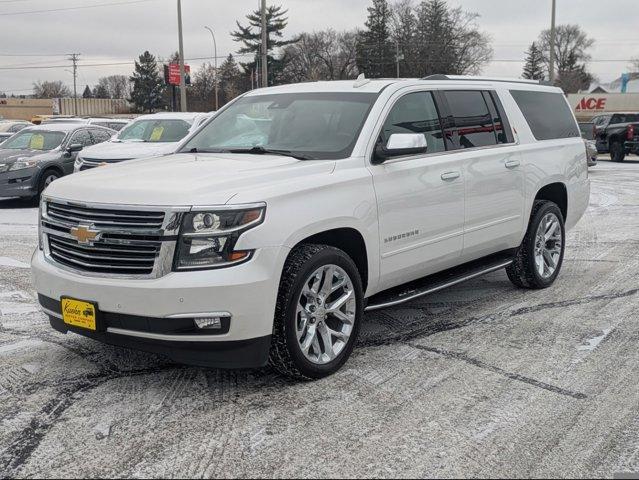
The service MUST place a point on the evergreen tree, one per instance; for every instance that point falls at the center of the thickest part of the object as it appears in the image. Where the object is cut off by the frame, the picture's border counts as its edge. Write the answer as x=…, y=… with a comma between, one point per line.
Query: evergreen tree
x=435, y=38
x=87, y=93
x=375, y=52
x=100, y=91
x=534, y=68
x=148, y=85
x=250, y=36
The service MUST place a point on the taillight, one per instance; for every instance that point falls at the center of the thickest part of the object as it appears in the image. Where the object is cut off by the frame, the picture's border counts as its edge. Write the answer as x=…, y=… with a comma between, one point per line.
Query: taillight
x=630, y=132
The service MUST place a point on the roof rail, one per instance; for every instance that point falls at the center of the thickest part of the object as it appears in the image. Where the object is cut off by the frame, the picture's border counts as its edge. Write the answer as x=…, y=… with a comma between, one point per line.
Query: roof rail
x=465, y=78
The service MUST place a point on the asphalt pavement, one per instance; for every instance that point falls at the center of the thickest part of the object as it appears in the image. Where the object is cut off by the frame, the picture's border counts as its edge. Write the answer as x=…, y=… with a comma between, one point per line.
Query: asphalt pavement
x=481, y=380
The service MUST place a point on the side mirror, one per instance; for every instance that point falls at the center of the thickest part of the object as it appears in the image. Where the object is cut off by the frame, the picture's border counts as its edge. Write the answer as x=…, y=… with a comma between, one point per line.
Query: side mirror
x=73, y=148
x=399, y=145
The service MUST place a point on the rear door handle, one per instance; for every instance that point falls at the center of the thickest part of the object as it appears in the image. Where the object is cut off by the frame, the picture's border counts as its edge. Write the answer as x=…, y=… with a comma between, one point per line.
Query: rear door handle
x=512, y=163
x=450, y=175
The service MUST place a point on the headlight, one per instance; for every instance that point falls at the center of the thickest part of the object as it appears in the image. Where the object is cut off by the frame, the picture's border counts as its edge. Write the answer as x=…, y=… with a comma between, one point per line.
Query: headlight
x=207, y=239
x=23, y=163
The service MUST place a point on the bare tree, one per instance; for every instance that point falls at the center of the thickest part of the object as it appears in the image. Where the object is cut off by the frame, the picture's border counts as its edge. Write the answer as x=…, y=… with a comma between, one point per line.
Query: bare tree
x=55, y=89
x=634, y=64
x=324, y=55
x=572, y=56
x=202, y=91
x=115, y=86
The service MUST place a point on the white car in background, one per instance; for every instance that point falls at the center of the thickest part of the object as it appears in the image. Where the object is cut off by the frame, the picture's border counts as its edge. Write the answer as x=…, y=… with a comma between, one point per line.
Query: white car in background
x=116, y=124
x=147, y=136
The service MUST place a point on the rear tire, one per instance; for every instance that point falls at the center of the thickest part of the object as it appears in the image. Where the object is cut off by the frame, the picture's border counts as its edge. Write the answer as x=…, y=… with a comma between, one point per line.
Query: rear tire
x=540, y=256
x=617, y=152
x=311, y=340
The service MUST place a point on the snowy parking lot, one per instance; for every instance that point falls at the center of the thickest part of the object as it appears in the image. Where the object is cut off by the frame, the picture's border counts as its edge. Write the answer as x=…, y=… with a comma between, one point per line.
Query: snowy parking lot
x=479, y=380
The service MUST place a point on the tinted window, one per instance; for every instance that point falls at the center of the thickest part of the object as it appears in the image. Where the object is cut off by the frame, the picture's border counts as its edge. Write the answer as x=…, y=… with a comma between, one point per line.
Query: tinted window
x=116, y=126
x=415, y=113
x=473, y=121
x=547, y=114
x=587, y=130
x=81, y=137
x=317, y=125
x=624, y=118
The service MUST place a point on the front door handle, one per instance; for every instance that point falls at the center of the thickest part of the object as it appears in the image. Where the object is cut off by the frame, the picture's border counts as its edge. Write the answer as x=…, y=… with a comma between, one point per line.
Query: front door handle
x=450, y=175
x=512, y=163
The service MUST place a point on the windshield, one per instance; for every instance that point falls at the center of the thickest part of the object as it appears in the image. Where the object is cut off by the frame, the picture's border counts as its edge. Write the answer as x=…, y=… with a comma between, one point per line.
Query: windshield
x=310, y=125
x=40, y=140
x=155, y=131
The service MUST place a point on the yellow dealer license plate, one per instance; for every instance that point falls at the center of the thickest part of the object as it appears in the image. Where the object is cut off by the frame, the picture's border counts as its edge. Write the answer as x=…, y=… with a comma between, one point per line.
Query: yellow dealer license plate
x=79, y=314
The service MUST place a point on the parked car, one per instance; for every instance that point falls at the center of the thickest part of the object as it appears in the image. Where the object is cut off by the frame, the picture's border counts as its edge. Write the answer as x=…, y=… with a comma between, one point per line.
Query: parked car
x=298, y=207
x=588, y=132
x=116, y=124
x=9, y=127
x=614, y=134
x=147, y=136
x=36, y=156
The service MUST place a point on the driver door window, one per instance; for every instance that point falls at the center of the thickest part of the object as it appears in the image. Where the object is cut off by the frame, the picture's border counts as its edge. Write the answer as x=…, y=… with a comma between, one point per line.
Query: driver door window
x=415, y=113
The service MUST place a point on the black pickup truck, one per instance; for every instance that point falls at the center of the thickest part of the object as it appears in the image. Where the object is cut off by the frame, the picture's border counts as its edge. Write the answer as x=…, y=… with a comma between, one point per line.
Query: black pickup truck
x=617, y=134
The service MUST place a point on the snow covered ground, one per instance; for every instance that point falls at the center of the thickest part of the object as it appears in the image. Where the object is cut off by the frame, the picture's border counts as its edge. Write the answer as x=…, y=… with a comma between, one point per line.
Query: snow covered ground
x=480, y=380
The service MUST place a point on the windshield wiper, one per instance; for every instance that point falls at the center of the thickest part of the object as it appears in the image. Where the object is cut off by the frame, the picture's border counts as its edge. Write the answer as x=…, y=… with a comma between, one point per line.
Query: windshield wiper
x=269, y=151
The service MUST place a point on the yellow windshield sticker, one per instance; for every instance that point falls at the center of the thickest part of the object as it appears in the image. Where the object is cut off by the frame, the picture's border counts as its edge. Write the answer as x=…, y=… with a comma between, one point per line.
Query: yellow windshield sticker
x=156, y=136
x=36, y=142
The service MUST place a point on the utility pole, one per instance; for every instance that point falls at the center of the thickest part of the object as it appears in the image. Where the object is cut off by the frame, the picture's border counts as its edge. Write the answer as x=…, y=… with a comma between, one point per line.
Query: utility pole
x=182, y=70
x=74, y=57
x=551, y=67
x=264, y=47
x=217, y=98
x=398, y=57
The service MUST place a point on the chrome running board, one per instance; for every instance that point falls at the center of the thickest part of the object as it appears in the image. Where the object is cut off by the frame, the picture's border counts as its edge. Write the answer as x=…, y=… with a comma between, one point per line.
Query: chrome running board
x=437, y=282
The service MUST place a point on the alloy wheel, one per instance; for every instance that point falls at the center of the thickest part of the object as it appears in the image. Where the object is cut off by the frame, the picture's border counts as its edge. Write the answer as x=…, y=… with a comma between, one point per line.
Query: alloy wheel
x=548, y=245
x=325, y=314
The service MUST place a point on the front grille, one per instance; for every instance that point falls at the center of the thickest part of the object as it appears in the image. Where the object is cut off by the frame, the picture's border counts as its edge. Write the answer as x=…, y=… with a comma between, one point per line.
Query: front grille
x=103, y=257
x=90, y=163
x=128, y=242
x=101, y=218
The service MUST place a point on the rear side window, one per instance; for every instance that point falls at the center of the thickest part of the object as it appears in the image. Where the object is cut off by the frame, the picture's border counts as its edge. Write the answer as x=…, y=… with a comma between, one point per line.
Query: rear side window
x=473, y=120
x=624, y=118
x=547, y=114
x=415, y=113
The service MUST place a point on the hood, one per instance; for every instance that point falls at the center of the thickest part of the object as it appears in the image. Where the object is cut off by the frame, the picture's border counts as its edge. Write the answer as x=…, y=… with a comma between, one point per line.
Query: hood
x=126, y=150
x=185, y=179
x=10, y=155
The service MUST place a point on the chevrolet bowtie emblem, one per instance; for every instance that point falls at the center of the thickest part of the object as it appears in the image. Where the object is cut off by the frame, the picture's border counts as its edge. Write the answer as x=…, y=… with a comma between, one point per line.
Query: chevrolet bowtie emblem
x=84, y=235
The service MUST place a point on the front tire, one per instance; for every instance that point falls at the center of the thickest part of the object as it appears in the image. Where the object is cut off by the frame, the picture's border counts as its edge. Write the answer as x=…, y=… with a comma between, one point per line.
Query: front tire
x=47, y=178
x=540, y=256
x=318, y=312
x=617, y=152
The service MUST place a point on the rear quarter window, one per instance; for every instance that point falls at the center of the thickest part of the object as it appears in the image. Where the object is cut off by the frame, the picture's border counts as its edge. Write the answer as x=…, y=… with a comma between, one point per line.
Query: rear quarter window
x=547, y=114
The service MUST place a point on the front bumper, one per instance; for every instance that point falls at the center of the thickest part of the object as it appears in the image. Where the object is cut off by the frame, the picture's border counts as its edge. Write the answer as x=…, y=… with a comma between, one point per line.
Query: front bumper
x=19, y=183
x=148, y=314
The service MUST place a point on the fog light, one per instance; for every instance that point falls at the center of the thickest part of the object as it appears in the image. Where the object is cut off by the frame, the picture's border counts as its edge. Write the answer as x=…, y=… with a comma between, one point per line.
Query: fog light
x=209, y=323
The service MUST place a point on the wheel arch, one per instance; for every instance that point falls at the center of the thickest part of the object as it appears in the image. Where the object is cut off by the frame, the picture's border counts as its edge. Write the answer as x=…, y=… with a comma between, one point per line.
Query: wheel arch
x=348, y=239
x=556, y=192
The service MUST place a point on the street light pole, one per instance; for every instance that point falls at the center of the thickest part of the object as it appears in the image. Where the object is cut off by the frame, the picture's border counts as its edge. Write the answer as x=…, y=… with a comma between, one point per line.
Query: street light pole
x=217, y=98
x=182, y=69
x=264, y=47
x=551, y=66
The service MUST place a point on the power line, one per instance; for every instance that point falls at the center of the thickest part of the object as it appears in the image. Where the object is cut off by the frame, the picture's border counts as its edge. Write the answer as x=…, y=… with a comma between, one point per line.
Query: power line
x=65, y=9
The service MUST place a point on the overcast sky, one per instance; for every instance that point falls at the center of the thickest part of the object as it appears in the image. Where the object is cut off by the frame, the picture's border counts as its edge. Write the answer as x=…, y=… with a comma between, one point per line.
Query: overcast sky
x=119, y=33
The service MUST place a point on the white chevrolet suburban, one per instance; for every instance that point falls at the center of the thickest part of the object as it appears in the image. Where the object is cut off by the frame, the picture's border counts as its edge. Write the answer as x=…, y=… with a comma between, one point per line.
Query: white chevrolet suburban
x=298, y=208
